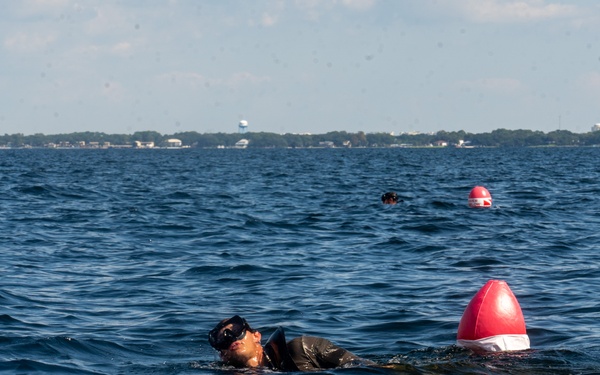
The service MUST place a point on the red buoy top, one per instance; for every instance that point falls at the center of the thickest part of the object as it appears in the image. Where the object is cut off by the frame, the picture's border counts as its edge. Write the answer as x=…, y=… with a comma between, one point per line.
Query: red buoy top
x=479, y=192
x=480, y=197
x=493, y=311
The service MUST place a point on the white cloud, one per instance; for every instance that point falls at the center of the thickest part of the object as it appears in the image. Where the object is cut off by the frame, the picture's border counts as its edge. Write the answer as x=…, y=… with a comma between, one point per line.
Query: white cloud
x=268, y=19
x=186, y=78
x=314, y=9
x=108, y=19
x=511, y=11
x=28, y=42
x=242, y=78
x=196, y=80
x=590, y=81
x=46, y=3
x=121, y=48
x=497, y=85
x=29, y=7
x=359, y=4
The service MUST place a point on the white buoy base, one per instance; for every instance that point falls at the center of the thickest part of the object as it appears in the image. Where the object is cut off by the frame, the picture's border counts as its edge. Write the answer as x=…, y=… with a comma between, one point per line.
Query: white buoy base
x=499, y=343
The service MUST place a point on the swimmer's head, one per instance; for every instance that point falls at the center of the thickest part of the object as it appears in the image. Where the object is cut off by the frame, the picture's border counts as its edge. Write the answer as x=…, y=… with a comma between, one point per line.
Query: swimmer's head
x=228, y=331
x=389, y=198
x=238, y=344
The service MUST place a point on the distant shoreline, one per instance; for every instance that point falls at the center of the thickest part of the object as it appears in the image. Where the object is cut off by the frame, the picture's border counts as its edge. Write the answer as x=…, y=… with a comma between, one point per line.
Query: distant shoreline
x=441, y=139
x=287, y=148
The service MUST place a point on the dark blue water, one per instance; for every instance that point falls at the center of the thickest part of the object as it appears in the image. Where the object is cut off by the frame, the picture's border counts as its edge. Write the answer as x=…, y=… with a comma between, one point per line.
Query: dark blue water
x=120, y=261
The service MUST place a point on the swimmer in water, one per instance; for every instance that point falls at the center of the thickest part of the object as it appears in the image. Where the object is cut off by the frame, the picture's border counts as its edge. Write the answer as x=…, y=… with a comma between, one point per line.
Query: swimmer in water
x=390, y=198
x=240, y=346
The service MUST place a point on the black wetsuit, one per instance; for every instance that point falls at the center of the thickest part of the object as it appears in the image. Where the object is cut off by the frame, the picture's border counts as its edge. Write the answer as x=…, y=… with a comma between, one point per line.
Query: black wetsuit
x=306, y=353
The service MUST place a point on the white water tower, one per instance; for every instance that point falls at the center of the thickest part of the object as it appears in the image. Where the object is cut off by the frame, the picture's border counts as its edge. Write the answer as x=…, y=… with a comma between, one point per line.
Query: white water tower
x=243, y=126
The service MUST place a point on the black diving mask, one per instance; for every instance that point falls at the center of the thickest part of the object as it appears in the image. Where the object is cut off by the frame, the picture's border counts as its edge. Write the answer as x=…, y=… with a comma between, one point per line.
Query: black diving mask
x=221, y=339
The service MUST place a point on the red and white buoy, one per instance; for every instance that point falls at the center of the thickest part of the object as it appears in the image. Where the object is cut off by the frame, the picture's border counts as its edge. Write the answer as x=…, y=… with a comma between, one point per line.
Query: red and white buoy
x=480, y=197
x=493, y=321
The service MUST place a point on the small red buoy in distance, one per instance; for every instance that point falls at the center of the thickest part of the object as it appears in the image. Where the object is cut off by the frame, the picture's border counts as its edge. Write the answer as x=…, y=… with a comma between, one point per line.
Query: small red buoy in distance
x=480, y=197
x=493, y=321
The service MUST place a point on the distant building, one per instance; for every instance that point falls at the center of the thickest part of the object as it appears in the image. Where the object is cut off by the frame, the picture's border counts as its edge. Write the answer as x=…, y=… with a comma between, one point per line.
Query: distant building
x=138, y=144
x=596, y=128
x=242, y=143
x=440, y=143
x=173, y=142
x=463, y=144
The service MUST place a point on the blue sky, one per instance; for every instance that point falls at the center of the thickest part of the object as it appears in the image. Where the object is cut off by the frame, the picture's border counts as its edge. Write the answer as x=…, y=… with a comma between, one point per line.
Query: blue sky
x=310, y=66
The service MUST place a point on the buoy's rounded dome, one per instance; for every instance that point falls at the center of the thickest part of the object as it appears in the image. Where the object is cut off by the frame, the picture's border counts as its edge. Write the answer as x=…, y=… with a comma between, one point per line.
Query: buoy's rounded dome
x=493, y=320
x=480, y=197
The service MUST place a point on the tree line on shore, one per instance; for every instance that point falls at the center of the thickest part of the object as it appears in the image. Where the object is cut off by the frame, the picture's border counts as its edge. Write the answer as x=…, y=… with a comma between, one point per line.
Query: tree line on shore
x=496, y=138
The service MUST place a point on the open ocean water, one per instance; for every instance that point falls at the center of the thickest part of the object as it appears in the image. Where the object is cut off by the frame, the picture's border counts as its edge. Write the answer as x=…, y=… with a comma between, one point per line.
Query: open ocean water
x=120, y=261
